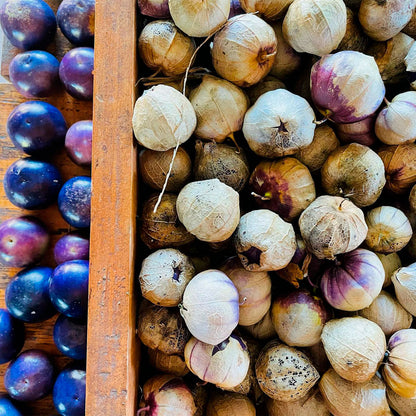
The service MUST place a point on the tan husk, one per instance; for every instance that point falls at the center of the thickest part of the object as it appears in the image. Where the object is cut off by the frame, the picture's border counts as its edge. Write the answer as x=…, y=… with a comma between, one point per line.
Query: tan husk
x=244, y=50
x=267, y=9
x=332, y=225
x=387, y=313
x=404, y=281
x=200, y=394
x=389, y=230
x=391, y=262
x=412, y=199
x=344, y=398
x=318, y=357
x=285, y=373
x=267, y=84
x=228, y=404
x=354, y=38
x=264, y=329
x=410, y=28
x=324, y=23
x=355, y=172
x=402, y=405
x=171, y=364
x=410, y=61
x=220, y=107
x=354, y=346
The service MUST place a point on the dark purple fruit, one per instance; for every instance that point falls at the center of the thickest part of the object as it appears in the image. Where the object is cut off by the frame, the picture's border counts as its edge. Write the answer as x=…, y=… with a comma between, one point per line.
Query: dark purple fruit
x=32, y=184
x=68, y=288
x=12, y=336
x=74, y=201
x=36, y=127
x=75, y=72
x=69, y=391
x=72, y=246
x=76, y=20
x=27, y=295
x=7, y=408
x=30, y=376
x=28, y=24
x=23, y=241
x=70, y=336
x=78, y=142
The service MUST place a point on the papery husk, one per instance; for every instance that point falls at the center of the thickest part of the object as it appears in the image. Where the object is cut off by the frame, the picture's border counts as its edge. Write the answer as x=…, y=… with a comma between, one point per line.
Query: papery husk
x=355, y=172
x=404, y=281
x=163, y=118
x=324, y=23
x=361, y=132
x=412, y=199
x=199, y=19
x=244, y=50
x=318, y=357
x=285, y=373
x=402, y=405
x=354, y=38
x=220, y=107
x=171, y=364
x=267, y=84
x=324, y=142
x=410, y=61
x=389, y=230
x=209, y=209
x=344, y=398
x=355, y=347
x=200, y=393
x=332, y=225
x=410, y=28
x=264, y=329
x=391, y=262
x=266, y=9
x=387, y=313
x=229, y=404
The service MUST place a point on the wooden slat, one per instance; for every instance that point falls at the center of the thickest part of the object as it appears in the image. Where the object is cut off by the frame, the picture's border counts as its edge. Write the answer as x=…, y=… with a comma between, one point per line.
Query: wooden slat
x=113, y=357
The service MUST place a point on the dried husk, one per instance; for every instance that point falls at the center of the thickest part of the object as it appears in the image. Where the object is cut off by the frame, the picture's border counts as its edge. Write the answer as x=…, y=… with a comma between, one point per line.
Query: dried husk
x=162, y=46
x=354, y=38
x=279, y=124
x=264, y=329
x=199, y=18
x=410, y=28
x=318, y=356
x=223, y=162
x=395, y=123
x=285, y=373
x=162, y=328
x=355, y=347
x=389, y=230
x=220, y=107
x=264, y=242
x=163, y=118
x=358, y=132
x=162, y=228
x=324, y=142
x=402, y=405
x=228, y=404
x=391, y=262
x=323, y=27
x=381, y=20
x=404, y=281
x=332, y=225
x=171, y=364
x=244, y=50
x=209, y=209
x=410, y=62
x=387, y=313
x=267, y=9
x=355, y=172
x=412, y=199
x=267, y=84
x=164, y=275
x=399, y=371
x=224, y=365
x=200, y=394
x=154, y=166
x=344, y=398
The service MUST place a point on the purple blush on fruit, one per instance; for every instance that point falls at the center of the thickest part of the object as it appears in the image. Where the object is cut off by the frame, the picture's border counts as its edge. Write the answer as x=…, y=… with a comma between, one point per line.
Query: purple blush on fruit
x=72, y=246
x=12, y=336
x=23, y=241
x=78, y=142
x=70, y=336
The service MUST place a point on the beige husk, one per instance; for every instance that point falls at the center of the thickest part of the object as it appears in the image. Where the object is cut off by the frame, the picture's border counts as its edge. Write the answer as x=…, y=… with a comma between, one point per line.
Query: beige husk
x=354, y=38
x=391, y=262
x=264, y=329
x=410, y=61
x=228, y=404
x=404, y=281
x=267, y=9
x=267, y=84
x=403, y=406
x=354, y=346
x=171, y=364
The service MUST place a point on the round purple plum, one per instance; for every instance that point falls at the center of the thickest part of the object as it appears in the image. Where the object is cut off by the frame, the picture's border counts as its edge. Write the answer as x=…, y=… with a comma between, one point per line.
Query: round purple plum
x=7, y=408
x=27, y=295
x=28, y=24
x=69, y=391
x=30, y=376
x=76, y=20
x=78, y=142
x=34, y=73
x=74, y=201
x=12, y=336
x=36, y=127
x=68, y=288
x=75, y=72
x=32, y=184
x=72, y=246
x=23, y=241
x=70, y=336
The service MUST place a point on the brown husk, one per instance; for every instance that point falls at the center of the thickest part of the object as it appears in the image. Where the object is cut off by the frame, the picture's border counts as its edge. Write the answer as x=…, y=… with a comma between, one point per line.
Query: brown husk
x=171, y=364
x=267, y=84
x=354, y=38
x=264, y=329
x=228, y=404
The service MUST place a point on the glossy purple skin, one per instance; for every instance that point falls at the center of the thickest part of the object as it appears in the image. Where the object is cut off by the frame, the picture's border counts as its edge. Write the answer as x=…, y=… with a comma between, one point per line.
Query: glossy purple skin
x=32, y=184
x=69, y=391
x=36, y=127
x=23, y=241
x=12, y=337
x=74, y=201
x=78, y=143
x=70, y=336
x=75, y=72
x=155, y=8
x=34, y=73
x=68, y=288
x=30, y=376
x=235, y=9
x=72, y=246
x=76, y=20
x=27, y=295
x=28, y=24
x=7, y=408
